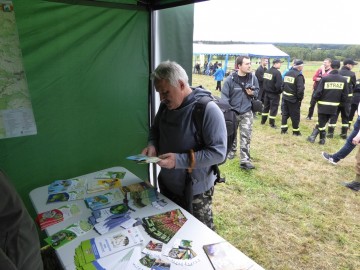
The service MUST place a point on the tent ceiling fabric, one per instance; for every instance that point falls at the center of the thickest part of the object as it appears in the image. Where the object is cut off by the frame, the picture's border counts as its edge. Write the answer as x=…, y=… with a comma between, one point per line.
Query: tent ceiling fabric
x=239, y=49
x=131, y=4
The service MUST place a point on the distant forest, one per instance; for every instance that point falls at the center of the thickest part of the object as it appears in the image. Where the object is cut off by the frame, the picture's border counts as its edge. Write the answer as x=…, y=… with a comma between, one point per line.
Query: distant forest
x=310, y=52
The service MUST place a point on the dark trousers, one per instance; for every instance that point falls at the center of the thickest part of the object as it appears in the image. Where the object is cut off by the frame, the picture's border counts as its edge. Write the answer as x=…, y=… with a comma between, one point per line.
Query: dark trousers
x=291, y=110
x=271, y=104
x=218, y=85
x=312, y=106
x=353, y=109
x=344, y=110
x=322, y=120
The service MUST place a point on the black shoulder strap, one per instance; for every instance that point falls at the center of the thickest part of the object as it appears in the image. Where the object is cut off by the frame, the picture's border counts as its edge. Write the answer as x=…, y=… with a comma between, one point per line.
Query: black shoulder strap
x=198, y=118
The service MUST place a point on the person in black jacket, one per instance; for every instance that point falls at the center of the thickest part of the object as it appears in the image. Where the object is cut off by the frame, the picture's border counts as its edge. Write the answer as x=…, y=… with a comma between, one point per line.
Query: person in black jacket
x=331, y=91
x=344, y=108
x=354, y=102
x=293, y=93
x=259, y=73
x=19, y=240
x=272, y=89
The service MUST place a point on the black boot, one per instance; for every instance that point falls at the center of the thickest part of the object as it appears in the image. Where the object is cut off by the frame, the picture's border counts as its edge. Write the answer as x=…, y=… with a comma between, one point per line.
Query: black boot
x=263, y=119
x=297, y=133
x=284, y=130
x=272, y=123
x=330, y=134
x=313, y=135
x=322, y=137
x=343, y=134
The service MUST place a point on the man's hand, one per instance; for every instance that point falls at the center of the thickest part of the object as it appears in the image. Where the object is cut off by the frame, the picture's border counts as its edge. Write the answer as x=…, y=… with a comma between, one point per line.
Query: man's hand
x=356, y=139
x=249, y=91
x=150, y=151
x=167, y=161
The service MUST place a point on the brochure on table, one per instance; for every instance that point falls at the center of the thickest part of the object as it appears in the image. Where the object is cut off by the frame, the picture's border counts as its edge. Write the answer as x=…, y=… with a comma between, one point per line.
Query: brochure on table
x=66, y=253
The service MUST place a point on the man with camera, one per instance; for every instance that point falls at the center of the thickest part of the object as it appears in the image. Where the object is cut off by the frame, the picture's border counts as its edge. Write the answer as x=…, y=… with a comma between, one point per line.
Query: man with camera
x=239, y=88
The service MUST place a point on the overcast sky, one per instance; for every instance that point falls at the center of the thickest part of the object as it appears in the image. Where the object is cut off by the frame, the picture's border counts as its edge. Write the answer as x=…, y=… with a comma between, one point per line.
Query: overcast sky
x=278, y=21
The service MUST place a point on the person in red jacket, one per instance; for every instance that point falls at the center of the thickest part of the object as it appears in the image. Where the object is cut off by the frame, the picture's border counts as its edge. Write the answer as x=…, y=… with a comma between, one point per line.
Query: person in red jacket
x=321, y=72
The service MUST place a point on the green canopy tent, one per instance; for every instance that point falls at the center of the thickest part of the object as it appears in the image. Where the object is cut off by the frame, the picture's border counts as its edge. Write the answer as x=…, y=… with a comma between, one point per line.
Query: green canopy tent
x=87, y=65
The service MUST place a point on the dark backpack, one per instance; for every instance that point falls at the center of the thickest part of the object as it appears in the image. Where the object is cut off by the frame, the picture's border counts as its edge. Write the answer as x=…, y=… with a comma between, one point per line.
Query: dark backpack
x=231, y=126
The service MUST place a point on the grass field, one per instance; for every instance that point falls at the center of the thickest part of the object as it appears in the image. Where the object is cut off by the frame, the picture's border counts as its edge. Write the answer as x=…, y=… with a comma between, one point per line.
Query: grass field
x=291, y=212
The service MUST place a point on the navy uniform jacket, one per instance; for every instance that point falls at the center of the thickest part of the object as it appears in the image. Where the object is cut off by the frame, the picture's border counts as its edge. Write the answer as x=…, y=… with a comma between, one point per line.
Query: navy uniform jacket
x=331, y=91
x=272, y=81
x=293, y=86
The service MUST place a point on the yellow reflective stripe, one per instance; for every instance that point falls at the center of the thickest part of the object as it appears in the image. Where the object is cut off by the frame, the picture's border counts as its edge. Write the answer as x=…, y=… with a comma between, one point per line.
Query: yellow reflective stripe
x=321, y=129
x=288, y=94
x=284, y=126
x=332, y=125
x=265, y=114
x=329, y=103
x=296, y=129
x=350, y=95
x=272, y=117
x=347, y=78
x=345, y=125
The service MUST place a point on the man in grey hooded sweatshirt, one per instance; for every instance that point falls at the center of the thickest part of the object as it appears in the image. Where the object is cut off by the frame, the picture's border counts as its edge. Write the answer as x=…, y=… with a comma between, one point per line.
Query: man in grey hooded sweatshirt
x=172, y=136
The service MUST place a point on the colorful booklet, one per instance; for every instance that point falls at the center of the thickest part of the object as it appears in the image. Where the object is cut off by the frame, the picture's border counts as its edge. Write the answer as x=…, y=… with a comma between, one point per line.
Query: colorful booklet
x=141, y=194
x=164, y=226
x=107, y=199
x=55, y=216
x=102, y=184
x=110, y=175
x=59, y=186
x=105, y=245
x=143, y=159
x=224, y=256
x=66, y=196
x=68, y=234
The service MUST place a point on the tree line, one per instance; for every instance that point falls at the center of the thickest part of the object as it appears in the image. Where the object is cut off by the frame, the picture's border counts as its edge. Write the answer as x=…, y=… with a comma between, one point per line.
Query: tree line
x=318, y=52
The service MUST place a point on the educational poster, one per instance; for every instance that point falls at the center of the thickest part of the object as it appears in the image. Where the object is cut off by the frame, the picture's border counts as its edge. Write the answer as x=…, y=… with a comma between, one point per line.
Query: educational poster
x=16, y=115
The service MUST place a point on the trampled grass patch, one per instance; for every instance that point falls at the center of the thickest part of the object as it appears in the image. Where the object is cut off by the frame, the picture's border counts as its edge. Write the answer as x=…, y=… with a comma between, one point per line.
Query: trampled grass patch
x=291, y=212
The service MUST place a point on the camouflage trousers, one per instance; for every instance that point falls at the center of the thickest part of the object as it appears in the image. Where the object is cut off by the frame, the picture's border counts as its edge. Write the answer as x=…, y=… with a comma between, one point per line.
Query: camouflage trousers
x=201, y=204
x=245, y=123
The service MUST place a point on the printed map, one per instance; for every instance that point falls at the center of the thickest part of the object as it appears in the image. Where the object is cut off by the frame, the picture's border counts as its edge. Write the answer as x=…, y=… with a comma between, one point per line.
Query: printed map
x=16, y=116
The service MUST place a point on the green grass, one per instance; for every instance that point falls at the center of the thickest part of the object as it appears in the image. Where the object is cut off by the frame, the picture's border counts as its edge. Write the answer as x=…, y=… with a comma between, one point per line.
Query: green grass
x=291, y=211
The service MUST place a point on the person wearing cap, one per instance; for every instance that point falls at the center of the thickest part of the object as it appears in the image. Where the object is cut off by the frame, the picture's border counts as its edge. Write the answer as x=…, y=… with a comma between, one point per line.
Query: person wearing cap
x=293, y=93
x=259, y=73
x=344, y=108
x=323, y=71
x=331, y=91
x=272, y=89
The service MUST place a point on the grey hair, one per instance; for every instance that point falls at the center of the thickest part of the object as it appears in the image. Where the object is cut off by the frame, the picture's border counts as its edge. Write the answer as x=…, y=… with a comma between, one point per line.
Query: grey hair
x=171, y=72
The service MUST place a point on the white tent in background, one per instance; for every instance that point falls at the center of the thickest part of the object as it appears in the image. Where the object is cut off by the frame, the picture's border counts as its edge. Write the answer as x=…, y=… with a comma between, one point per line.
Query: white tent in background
x=251, y=50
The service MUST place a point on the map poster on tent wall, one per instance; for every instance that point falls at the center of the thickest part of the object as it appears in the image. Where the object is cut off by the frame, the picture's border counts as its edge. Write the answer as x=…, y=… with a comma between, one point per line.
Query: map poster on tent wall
x=16, y=115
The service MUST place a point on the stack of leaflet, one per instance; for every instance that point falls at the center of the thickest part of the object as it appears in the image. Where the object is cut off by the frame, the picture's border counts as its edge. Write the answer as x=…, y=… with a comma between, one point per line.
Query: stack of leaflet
x=57, y=215
x=112, y=217
x=97, y=251
x=141, y=194
x=165, y=225
x=109, y=198
x=66, y=190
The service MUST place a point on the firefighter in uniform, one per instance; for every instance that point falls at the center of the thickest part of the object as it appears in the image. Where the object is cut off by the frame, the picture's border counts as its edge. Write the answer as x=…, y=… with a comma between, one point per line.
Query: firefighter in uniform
x=344, y=108
x=354, y=102
x=332, y=90
x=272, y=89
x=293, y=94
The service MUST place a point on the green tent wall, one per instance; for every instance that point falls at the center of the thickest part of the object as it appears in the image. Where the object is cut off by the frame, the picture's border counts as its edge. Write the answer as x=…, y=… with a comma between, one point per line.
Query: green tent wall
x=88, y=70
